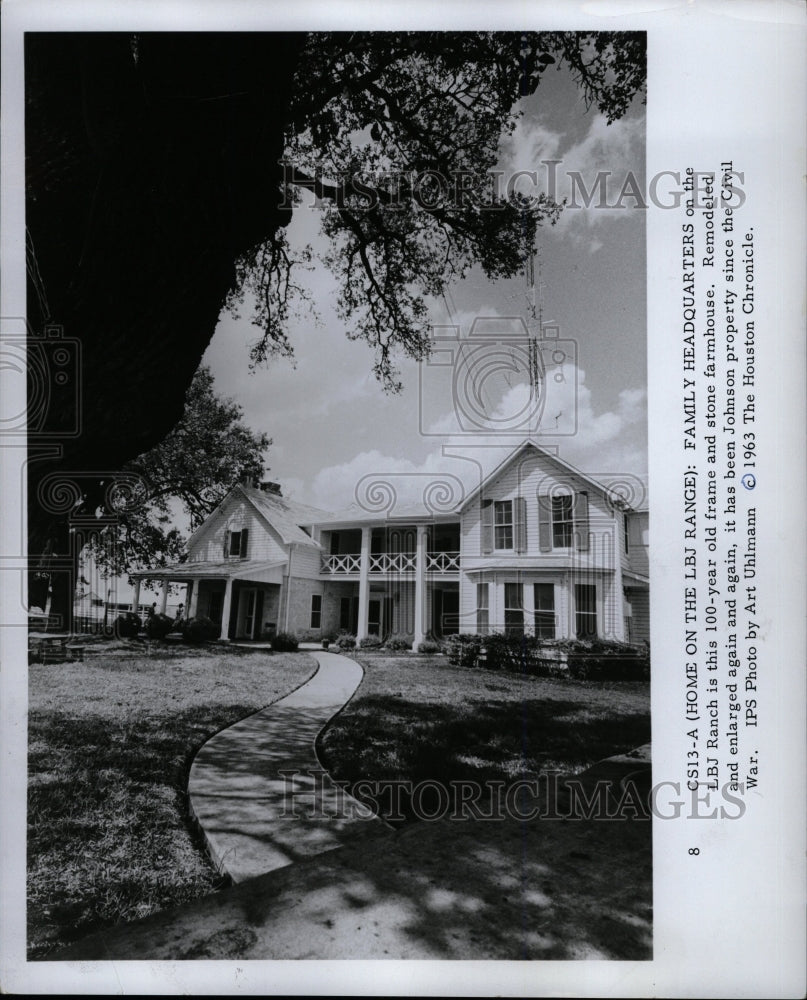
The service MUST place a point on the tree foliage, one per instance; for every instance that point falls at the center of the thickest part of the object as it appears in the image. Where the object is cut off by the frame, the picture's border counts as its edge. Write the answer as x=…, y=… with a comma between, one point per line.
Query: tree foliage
x=396, y=135
x=192, y=470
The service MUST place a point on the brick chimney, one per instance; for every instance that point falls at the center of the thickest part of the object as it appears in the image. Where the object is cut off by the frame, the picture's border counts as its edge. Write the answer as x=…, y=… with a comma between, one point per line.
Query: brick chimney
x=274, y=488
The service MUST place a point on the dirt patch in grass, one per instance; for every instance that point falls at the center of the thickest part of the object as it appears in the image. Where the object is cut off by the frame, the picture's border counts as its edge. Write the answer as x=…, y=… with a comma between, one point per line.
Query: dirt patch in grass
x=110, y=744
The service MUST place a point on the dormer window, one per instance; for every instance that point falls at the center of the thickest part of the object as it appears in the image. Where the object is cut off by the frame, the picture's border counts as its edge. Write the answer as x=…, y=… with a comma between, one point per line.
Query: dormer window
x=235, y=544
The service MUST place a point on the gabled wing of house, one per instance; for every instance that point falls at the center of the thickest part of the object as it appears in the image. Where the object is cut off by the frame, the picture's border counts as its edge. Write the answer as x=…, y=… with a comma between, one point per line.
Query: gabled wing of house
x=245, y=559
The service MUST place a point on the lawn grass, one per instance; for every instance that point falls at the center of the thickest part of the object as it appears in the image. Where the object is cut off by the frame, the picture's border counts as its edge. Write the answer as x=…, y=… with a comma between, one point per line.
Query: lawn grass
x=111, y=741
x=418, y=718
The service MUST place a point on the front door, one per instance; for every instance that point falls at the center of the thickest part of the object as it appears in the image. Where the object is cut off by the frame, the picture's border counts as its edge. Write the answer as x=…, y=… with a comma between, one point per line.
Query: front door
x=247, y=610
x=446, y=612
x=374, y=617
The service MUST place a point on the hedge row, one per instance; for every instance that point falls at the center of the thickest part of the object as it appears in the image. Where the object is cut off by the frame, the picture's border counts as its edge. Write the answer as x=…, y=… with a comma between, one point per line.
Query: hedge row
x=595, y=659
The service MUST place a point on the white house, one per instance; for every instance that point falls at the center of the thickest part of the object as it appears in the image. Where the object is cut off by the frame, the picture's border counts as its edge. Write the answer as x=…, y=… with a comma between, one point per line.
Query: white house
x=538, y=547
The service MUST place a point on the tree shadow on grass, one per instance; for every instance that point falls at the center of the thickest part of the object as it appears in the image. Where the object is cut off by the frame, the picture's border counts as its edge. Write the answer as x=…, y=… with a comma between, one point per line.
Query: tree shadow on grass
x=109, y=834
x=389, y=739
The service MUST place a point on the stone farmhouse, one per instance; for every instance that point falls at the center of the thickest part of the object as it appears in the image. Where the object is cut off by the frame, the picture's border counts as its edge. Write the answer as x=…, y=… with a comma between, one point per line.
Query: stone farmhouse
x=538, y=547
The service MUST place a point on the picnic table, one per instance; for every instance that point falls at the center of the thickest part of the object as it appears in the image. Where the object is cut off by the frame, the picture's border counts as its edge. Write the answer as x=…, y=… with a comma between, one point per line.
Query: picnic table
x=52, y=647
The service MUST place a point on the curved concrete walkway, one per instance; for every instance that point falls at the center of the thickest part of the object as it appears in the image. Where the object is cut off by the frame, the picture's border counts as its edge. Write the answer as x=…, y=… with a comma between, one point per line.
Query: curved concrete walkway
x=258, y=790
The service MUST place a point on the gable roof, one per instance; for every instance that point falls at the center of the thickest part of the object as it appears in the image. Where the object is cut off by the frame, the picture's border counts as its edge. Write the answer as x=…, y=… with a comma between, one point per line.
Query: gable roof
x=526, y=444
x=284, y=516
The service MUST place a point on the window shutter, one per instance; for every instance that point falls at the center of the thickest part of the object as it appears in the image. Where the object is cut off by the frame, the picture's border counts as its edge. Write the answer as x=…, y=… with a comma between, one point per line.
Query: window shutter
x=581, y=521
x=520, y=513
x=545, y=524
x=226, y=544
x=487, y=527
x=244, y=536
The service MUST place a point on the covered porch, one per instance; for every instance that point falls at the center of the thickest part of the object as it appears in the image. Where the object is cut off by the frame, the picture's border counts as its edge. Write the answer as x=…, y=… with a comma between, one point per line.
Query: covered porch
x=242, y=598
x=390, y=607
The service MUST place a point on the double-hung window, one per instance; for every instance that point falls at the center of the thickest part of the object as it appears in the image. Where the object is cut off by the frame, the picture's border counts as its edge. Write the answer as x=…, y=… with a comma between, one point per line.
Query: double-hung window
x=503, y=524
x=562, y=521
x=585, y=600
x=544, y=610
x=513, y=609
x=482, y=608
x=316, y=610
x=235, y=544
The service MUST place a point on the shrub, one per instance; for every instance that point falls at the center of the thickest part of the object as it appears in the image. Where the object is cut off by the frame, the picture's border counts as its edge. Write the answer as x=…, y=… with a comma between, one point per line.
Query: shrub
x=463, y=650
x=429, y=646
x=128, y=625
x=346, y=641
x=158, y=626
x=595, y=659
x=607, y=660
x=395, y=642
x=370, y=642
x=201, y=629
x=285, y=642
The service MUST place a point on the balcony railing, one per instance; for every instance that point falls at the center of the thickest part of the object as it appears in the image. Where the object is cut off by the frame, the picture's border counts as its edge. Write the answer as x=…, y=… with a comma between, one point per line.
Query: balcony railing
x=443, y=562
x=341, y=564
x=392, y=562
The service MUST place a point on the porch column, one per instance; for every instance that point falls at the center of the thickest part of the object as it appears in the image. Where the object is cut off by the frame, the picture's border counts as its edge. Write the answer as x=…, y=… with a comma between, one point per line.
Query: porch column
x=568, y=618
x=528, y=604
x=420, y=586
x=225, y=611
x=618, y=598
x=364, y=584
x=164, y=598
x=192, y=598
x=136, y=595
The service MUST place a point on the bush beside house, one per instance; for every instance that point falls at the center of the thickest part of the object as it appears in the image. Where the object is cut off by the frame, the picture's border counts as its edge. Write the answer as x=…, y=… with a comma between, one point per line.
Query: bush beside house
x=128, y=625
x=201, y=629
x=285, y=642
x=596, y=659
x=158, y=626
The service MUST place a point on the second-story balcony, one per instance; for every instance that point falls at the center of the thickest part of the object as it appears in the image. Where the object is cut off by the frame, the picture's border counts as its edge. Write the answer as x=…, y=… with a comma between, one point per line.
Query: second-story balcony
x=391, y=550
x=390, y=562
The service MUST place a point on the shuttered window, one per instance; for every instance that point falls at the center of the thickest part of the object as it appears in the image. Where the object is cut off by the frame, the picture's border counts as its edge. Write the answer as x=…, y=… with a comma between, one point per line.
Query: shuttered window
x=581, y=521
x=503, y=524
x=235, y=543
x=569, y=522
x=487, y=527
x=316, y=610
x=562, y=521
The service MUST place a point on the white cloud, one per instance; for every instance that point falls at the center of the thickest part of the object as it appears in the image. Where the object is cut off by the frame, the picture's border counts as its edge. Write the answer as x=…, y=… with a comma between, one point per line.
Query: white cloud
x=615, y=150
x=606, y=441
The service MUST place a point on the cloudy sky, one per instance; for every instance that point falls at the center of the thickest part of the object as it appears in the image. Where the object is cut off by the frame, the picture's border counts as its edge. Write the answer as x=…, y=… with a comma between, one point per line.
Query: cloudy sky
x=332, y=425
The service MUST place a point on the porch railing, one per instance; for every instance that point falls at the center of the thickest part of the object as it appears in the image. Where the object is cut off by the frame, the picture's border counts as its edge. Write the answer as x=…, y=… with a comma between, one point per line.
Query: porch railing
x=341, y=564
x=392, y=562
x=443, y=562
